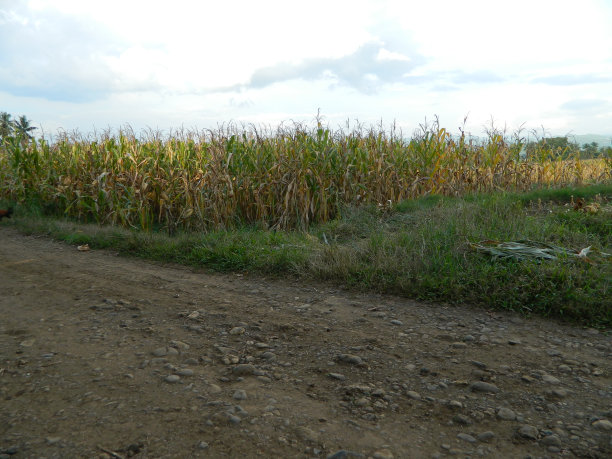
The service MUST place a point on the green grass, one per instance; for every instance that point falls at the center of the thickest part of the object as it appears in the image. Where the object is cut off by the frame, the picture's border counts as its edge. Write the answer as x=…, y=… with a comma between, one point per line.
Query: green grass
x=562, y=195
x=246, y=249
x=419, y=249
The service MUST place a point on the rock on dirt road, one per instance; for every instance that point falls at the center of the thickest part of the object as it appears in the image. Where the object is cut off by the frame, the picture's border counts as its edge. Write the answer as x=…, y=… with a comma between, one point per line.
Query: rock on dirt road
x=104, y=356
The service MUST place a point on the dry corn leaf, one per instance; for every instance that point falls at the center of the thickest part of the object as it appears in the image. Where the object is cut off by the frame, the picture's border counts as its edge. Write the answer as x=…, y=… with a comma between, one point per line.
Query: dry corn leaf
x=592, y=208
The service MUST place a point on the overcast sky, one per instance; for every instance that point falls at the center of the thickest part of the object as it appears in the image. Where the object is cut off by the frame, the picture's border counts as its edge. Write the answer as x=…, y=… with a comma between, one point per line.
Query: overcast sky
x=90, y=64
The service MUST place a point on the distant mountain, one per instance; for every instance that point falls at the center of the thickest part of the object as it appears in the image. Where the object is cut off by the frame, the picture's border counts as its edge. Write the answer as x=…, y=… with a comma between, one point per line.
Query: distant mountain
x=601, y=140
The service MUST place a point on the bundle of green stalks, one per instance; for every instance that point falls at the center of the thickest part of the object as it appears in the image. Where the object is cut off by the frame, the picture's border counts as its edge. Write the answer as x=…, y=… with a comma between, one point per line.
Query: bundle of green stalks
x=288, y=178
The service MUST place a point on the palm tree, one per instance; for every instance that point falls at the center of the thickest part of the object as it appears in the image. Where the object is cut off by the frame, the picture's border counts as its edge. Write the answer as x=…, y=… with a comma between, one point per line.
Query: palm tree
x=23, y=127
x=6, y=124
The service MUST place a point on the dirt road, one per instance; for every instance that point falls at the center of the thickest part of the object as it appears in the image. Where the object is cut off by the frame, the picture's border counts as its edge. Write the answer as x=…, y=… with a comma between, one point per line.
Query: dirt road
x=104, y=356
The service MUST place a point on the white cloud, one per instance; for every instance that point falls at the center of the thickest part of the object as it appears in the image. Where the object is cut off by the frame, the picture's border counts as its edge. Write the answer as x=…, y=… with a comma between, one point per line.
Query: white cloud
x=386, y=55
x=361, y=70
x=53, y=56
x=477, y=34
x=80, y=64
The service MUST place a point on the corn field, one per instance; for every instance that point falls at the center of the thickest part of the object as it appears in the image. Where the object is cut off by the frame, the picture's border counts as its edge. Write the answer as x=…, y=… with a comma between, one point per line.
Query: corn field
x=286, y=178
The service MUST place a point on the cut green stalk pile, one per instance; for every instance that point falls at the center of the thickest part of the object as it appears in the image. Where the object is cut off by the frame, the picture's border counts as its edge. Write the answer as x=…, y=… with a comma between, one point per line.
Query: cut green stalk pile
x=532, y=250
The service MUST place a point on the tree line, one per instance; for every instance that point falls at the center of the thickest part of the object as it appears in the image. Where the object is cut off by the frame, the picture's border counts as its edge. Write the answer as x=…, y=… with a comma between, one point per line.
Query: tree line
x=20, y=127
x=561, y=147
x=551, y=147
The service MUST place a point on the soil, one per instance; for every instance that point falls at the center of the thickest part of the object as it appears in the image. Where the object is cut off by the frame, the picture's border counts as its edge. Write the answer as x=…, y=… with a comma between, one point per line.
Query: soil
x=106, y=356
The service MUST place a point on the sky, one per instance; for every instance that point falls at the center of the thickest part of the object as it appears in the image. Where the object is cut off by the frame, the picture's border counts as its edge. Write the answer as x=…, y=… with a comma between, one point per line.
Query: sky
x=88, y=65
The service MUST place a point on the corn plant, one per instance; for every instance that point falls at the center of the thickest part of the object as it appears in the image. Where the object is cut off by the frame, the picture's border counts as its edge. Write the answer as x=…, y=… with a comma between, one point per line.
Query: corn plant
x=288, y=177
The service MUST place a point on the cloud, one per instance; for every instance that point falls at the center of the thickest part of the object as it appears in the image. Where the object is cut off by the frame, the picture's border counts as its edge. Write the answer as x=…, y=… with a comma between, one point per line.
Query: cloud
x=587, y=106
x=570, y=80
x=367, y=69
x=454, y=80
x=478, y=77
x=54, y=56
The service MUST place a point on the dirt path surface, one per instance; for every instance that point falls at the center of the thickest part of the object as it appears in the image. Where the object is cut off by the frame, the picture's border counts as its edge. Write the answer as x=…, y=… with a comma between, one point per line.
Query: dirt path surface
x=103, y=356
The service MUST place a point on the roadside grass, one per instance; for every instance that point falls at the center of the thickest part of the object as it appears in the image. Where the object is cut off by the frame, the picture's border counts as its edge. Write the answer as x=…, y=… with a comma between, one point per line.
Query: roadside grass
x=418, y=248
x=245, y=249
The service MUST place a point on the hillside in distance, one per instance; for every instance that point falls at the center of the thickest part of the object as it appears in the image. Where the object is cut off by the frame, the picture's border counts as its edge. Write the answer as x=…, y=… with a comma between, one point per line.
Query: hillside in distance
x=600, y=140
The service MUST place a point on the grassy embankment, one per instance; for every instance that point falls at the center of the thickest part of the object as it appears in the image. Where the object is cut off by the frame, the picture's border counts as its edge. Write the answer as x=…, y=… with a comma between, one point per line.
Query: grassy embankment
x=365, y=210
